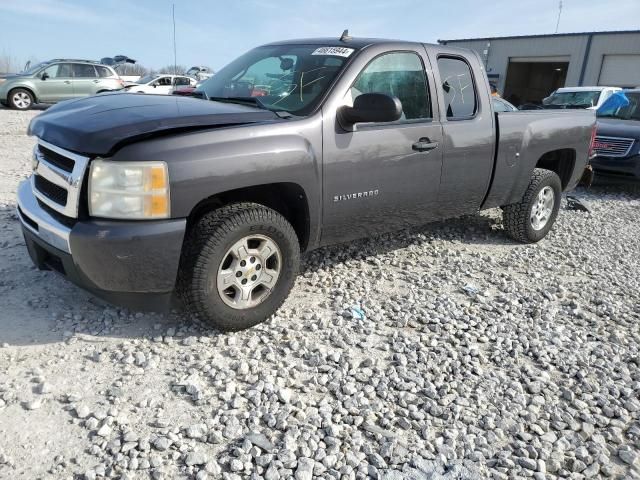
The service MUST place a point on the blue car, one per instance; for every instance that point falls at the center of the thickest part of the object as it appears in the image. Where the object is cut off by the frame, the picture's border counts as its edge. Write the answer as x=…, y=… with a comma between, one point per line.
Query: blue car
x=617, y=143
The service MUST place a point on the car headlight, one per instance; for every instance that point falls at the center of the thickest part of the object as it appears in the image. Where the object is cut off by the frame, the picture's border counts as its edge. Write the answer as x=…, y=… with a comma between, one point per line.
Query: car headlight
x=129, y=190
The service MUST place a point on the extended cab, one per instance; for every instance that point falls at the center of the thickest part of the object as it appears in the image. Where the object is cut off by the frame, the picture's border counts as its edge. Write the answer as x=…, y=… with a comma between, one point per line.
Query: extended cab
x=292, y=146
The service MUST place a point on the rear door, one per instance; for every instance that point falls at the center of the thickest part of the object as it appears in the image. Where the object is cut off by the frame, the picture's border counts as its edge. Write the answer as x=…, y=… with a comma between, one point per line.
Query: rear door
x=468, y=131
x=85, y=80
x=57, y=84
x=378, y=177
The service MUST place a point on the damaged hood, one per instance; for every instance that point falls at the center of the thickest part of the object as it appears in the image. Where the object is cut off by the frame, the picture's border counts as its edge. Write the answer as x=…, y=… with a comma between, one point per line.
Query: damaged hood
x=98, y=125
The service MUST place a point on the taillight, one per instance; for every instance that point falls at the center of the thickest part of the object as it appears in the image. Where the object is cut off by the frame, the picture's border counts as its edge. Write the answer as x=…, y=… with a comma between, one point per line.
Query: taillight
x=592, y=143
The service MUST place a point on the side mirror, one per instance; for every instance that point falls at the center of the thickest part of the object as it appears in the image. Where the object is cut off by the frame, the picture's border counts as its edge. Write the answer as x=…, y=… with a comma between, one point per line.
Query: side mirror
x=44, y=75
x=371, y=107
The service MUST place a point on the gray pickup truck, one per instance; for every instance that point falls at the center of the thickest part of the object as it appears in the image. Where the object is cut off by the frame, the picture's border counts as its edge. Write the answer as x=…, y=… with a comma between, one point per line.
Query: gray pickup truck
x=141, y=199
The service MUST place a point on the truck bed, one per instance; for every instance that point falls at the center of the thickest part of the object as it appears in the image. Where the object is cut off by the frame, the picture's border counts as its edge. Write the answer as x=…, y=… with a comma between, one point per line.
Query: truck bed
x=525, y=139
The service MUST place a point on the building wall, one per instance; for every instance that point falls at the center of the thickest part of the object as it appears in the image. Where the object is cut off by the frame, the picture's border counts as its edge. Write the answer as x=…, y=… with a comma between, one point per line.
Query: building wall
x=572, y=46
x=609, y=44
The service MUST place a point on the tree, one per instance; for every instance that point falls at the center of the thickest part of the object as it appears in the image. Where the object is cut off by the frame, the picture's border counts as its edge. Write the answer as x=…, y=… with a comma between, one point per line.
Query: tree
x=173, y=70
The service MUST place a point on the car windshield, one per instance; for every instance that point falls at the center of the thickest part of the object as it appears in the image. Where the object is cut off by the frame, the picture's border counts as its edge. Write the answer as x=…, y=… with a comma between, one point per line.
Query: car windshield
x=622, y=105
x=586, y=98
x=34, y=69
x=291, y=78
x=146, y=79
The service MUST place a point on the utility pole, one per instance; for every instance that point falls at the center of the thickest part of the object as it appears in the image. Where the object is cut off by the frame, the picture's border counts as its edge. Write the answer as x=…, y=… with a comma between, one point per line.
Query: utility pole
x=559, y=13
x=175, y=57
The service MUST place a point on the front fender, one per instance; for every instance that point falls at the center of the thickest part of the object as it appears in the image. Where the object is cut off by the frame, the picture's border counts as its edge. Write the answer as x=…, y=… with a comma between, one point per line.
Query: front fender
x=206, y=163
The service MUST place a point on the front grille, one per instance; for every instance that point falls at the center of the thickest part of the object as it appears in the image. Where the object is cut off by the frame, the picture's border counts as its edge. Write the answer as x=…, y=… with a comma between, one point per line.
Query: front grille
x=66, y=221
x=54, y=158
x=51, y=190
x=612, y=146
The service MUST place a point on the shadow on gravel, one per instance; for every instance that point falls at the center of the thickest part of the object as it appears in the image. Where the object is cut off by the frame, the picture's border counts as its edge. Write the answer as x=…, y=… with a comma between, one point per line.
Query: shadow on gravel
x=37, y=107
x=42, y=307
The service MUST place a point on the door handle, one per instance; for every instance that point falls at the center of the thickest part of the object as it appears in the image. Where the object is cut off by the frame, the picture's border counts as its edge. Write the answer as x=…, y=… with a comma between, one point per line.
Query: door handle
x=67, y=82
x=96, y=81
x=424, y=145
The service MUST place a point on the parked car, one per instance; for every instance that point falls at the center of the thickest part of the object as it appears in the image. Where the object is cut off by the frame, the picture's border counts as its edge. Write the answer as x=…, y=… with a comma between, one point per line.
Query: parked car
x=199, y=73
x=617, y=143
x=186, y=91
x=501, y=105
x=57, y=80
x=161, y=84
x=578, y=97
x=214, y=199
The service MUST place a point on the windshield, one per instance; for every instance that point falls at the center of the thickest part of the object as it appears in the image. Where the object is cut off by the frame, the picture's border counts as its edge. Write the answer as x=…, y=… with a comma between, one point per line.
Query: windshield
x=289, y=78
x=622, y=105
x=34, y=69
x=586, y=98
x=146, y=79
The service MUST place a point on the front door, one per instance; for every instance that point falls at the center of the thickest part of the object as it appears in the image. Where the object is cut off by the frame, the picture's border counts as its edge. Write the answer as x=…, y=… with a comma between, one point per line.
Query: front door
x=380, y=177
x=162, y=86
x=56, y=83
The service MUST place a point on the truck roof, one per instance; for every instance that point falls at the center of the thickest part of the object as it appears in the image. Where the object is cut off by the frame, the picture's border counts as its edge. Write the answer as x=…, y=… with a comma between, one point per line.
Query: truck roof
x=352, y=42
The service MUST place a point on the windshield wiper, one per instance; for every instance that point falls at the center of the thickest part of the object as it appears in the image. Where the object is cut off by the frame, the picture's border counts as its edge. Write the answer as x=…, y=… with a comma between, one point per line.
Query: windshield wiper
x=254, y=101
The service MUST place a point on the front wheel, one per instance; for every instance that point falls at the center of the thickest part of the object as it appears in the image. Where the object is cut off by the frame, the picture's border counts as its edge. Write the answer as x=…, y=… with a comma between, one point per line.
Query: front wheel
x=21, y=99
x=531, y=219
x=238, y=265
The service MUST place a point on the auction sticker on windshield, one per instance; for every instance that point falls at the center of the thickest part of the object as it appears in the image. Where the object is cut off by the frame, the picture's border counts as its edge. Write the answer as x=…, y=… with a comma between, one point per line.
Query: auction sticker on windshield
x=336, y=51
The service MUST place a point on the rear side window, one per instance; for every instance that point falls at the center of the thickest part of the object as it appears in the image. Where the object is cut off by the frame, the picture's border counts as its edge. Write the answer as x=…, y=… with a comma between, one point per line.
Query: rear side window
x=401, y=75
x=83, y=70
x=103, y=72
x=460, y=99
x=182, y=81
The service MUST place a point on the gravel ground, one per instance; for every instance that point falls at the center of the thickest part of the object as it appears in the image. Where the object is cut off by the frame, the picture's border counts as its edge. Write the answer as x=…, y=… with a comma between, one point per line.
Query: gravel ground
x=446, y=352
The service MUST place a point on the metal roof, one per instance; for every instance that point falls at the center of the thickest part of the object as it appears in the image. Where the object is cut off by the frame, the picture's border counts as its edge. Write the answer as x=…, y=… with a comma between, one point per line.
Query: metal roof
x=543, y=35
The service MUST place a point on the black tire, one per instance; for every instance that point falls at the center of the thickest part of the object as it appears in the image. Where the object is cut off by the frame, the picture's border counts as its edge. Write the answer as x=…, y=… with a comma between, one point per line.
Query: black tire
x=205, y=249
x=517, y=217
x=26, y=104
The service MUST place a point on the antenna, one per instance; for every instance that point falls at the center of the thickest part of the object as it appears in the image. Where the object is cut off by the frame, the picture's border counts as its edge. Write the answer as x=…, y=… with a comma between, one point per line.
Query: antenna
x=345, y=37
x=175, y=61
x=559, y=13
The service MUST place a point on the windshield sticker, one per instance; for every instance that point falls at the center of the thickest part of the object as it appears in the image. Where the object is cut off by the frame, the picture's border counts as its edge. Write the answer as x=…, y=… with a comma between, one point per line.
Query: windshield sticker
x=335, y=51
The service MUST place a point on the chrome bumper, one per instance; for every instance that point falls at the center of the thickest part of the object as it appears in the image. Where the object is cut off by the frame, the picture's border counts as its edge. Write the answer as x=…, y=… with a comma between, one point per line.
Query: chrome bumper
x=39, y=222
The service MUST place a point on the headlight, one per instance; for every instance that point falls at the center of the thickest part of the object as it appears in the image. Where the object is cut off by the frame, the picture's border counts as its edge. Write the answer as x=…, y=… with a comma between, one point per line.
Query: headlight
x=129, y=190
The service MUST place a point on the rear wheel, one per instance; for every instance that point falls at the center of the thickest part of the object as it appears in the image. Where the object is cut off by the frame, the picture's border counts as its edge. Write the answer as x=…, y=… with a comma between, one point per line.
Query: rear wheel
x=21, y=99
x=238, y=265
x=531, y=219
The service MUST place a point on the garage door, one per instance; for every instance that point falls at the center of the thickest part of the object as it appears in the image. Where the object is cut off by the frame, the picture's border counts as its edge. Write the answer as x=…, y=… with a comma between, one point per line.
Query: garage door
x=620, y=71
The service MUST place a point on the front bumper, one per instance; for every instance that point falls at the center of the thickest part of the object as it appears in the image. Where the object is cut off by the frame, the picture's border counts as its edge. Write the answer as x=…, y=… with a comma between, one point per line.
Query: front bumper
x=128, y=263
x=623, y=167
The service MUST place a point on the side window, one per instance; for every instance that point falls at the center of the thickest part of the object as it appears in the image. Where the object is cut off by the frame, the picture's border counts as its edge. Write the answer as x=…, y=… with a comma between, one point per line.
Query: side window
x=182, y=81
x=52, y=71
x=163, y=81
x=103, y=72
x=460, y=99
x=82, y=70
x=400, y=74
x=64, y=71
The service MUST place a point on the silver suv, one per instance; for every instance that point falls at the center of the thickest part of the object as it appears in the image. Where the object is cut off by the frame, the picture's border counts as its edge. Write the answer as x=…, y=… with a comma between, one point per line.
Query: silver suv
x=57, y=80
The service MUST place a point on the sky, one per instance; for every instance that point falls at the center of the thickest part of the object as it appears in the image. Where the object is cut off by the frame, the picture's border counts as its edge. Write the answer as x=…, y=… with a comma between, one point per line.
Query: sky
x=214, y=32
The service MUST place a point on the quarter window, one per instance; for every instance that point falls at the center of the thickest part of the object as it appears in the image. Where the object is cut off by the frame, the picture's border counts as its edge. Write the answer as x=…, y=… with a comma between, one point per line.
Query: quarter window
x=460, y=98
x=399, y=74
x=103, y=72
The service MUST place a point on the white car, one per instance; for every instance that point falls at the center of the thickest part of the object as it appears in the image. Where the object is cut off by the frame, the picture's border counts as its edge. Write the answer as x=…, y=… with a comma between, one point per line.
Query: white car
x=579, y=97
x=161, y=84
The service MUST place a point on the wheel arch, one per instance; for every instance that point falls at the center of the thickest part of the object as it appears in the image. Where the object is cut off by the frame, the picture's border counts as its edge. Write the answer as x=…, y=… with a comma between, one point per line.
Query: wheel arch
x=287, y=198
x=22, y=87
x=561, y=161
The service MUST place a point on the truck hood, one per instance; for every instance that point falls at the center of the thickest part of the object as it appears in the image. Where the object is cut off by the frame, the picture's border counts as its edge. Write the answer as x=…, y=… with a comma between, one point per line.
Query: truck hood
x=98, y=125
x=612, y=127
